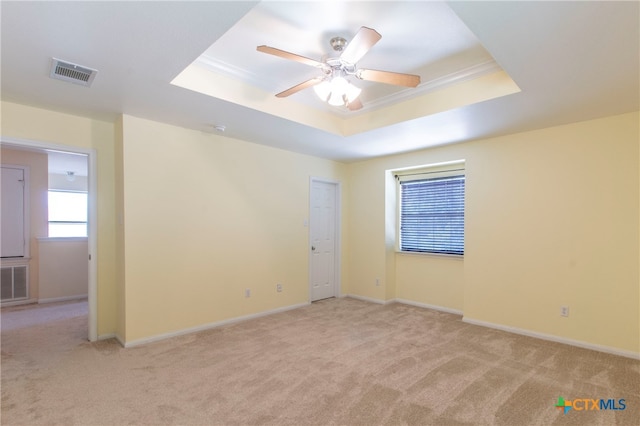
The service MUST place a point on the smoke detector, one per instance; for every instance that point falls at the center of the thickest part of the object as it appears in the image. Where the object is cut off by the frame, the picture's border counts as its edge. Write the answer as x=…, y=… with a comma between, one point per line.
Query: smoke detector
x=72, y=73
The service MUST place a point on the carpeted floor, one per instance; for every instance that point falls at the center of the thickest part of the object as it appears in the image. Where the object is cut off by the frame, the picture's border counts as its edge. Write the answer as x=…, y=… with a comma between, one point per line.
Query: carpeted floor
x=335, y=362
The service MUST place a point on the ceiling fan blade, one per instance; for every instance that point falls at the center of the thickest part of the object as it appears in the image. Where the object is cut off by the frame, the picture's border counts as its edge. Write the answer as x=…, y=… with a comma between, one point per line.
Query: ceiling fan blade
x=288, y=55
x=355, y=105
x=364, y=40
x=388, y=77
x=299, y=87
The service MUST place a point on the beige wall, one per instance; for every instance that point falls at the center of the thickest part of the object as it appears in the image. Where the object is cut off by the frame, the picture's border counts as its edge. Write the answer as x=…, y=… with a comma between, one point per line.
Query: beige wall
x=551, y=220
x=64, y=269
x=206, y=216
x=188, y=220
x=554, y=213
x=40, y=125
x=431, y=280
x=38, y=212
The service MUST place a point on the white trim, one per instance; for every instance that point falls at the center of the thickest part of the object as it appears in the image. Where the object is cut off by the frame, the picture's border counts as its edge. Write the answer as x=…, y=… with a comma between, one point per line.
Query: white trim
x=19, y=302
x=370, y=299
x=108, y=336
x=221, y=67
x=422, y=254
x=119, y=339
x=337, y=291
x=209, y=326
x=428, y=306
x=61, y=239
x=92, y=224
x=15, y=261
x=63, y=299
x=557, y=339
x=472, y=72
x=111, y=336
x=92, y=236
x=466, y=74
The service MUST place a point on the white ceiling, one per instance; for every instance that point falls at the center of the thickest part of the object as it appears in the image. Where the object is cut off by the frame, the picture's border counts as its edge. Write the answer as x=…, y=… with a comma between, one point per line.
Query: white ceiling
x=61, y=163
x=572, y=61
x=435, y=46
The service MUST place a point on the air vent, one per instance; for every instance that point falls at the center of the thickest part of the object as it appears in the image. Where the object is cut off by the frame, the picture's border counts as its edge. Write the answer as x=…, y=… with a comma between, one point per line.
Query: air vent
x=73, y=73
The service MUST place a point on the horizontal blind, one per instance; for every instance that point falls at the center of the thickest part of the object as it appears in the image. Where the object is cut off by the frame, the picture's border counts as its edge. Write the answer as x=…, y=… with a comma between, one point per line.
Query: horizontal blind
x=432, y=215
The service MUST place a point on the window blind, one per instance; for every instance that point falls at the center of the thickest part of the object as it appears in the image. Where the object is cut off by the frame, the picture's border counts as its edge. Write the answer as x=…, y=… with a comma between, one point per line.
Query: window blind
x=432, y=215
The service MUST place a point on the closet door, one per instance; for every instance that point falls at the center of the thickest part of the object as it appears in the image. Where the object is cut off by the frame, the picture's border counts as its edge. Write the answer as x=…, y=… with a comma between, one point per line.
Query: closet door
x=13, y=239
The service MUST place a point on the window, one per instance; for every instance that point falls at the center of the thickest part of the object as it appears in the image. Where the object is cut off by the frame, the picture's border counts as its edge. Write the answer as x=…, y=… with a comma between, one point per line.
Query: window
x=432, y=213
x=67, y=214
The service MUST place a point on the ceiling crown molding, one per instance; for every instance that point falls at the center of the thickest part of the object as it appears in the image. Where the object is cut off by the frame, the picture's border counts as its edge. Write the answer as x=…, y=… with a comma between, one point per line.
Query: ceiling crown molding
x=460, y=76
x=229, y=70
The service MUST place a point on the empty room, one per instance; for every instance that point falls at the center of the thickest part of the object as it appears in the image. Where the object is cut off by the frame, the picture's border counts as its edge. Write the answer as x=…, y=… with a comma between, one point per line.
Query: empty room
x=320, y=213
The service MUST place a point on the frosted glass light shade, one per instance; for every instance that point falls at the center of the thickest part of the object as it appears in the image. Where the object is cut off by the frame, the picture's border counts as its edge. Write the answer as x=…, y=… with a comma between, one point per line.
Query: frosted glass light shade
x=352, y=92
x=323, y=90
x=336, y=99
x=337, y=92
x=339, y=85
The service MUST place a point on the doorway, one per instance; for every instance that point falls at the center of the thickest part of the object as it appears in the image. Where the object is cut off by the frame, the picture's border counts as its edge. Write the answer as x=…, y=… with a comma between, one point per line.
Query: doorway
x=324, y=235
x=92, y=257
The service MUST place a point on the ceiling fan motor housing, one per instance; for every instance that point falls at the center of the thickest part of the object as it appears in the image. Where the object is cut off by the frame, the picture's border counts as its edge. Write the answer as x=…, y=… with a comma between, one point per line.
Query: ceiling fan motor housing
x=338, y=43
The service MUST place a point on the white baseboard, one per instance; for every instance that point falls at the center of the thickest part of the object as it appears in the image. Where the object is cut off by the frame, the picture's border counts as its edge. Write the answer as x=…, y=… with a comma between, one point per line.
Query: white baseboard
x=209, y=326
x=428, y=306
x=63, y=299
x=119, y=339
x=111, y=336
x=107, y=336
x=19, y=302
x=370, y=299
x=552, y=338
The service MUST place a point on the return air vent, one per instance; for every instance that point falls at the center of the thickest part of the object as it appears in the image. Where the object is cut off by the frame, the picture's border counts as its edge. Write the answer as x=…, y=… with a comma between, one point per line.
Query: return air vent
x=73, y=73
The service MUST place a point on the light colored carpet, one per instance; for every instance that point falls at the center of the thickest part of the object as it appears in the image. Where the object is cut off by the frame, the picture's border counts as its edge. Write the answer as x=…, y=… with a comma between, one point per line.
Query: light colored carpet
x=335, y=362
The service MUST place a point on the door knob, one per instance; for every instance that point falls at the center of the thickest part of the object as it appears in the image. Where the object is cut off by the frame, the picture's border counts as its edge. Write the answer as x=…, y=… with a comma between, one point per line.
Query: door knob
x=313, y=248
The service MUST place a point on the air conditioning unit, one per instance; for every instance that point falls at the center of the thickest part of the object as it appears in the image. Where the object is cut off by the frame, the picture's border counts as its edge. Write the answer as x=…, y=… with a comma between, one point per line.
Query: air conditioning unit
x=14, y=282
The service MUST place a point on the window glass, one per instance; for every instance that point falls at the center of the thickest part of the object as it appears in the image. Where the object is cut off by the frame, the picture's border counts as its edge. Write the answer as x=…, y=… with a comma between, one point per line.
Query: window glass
x=67, y=214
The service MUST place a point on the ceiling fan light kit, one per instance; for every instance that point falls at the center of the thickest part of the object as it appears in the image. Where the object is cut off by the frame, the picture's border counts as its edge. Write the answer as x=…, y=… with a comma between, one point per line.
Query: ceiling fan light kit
x=333, y=87
x=337, y=92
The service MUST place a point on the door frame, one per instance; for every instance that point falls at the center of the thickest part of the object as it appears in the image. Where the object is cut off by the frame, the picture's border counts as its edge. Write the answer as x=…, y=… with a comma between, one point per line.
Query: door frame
x=92, y=225
x=337, y=252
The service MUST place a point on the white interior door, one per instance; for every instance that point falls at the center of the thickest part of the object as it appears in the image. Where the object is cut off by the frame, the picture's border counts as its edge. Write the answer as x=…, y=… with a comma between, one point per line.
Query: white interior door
x=13, y=239
x=324, y=237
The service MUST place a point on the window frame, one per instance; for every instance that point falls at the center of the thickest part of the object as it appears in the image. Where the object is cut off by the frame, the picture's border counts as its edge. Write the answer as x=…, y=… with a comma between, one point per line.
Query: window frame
x=424, y=173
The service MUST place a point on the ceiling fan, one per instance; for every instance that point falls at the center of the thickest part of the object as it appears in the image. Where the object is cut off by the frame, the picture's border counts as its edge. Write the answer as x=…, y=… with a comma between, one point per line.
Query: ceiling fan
x=332, y=86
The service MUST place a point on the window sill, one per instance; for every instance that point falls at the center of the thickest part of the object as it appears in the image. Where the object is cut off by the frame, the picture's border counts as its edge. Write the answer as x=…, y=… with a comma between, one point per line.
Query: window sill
x=15, y=261
x=58, y=239
x=440, y=255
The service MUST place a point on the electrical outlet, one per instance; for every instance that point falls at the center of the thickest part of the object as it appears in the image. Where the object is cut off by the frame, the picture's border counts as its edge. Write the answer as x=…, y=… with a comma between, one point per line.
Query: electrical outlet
x=247, y=292
x=564, y=311
x=377, y=282
x=279, y=287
